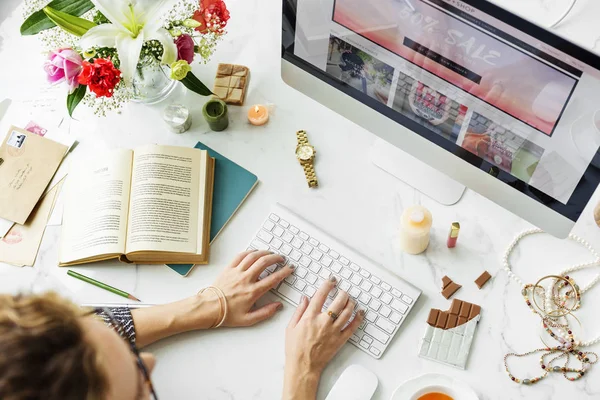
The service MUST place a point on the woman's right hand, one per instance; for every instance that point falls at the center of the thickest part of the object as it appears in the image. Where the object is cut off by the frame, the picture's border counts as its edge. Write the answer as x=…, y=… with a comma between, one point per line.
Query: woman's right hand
x=313, y=338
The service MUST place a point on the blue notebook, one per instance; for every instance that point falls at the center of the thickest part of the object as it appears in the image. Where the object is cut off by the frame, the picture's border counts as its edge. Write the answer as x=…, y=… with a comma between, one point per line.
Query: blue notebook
x=232, y=186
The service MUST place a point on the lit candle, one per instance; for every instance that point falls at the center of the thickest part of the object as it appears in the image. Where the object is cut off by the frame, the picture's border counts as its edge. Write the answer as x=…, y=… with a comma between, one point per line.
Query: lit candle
x=258, y=115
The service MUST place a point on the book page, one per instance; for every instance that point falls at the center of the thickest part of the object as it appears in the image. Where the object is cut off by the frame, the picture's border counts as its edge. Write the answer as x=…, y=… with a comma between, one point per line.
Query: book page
x=96, y=206
x=164, y=200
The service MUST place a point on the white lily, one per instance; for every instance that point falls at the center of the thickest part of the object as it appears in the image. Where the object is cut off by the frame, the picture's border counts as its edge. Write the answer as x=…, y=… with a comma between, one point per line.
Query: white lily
x=132, y=23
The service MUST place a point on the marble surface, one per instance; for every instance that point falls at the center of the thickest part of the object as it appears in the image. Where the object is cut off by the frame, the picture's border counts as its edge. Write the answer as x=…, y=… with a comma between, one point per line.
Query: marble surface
x=356, y=202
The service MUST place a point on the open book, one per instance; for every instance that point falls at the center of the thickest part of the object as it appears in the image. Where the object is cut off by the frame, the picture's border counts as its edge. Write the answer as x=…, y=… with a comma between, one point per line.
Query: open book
x=151, y=205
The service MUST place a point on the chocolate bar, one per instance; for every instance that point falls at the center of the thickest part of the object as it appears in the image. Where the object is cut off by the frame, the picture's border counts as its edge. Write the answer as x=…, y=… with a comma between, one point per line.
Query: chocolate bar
x=449, y=287
x=483, y=279
x=231, y=83
x=449, y=334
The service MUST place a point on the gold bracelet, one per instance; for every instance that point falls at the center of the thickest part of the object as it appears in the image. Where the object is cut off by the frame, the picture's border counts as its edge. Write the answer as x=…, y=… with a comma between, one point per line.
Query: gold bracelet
x=222, y=305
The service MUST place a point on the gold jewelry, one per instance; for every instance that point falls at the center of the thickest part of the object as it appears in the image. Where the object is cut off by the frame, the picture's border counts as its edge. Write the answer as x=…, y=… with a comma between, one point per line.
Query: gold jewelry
x=222, y=305
x=306, y=155
x=333, y=315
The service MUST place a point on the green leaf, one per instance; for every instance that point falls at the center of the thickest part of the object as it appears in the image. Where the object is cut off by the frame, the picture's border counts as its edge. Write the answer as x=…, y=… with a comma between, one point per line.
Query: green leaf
x=75, y=98
x=39, y=21
x=195, y=85
x=74, y=25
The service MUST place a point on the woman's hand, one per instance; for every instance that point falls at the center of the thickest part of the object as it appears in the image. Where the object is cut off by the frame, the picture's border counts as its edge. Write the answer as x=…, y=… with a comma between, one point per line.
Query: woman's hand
x=313, y=337
x=239, y=282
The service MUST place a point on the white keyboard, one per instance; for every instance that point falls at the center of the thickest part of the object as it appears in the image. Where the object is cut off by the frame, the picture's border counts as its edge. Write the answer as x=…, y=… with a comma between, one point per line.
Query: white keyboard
x=386, y=299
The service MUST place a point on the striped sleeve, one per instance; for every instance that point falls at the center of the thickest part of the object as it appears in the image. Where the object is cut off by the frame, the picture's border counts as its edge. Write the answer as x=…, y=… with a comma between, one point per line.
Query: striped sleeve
x=125, y=319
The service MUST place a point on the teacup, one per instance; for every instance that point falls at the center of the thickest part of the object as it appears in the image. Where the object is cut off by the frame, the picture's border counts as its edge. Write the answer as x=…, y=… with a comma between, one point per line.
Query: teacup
x=434, y=389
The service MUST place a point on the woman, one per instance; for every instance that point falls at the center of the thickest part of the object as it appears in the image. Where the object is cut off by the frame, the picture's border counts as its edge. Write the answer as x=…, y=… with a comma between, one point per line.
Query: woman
x=52, y=349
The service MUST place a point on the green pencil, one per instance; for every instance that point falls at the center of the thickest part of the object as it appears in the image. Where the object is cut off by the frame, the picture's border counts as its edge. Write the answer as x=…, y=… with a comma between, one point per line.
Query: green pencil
x=101, y=285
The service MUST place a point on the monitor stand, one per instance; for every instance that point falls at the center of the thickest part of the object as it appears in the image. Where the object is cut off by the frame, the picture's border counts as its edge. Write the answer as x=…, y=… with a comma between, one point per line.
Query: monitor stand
x=416, y=173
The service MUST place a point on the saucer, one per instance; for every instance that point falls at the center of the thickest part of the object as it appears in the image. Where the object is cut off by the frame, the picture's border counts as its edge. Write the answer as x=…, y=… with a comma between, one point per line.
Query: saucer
x=408, y=388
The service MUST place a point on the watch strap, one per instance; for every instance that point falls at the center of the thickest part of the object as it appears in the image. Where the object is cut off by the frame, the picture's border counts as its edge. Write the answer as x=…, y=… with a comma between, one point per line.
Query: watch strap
x=302, y=137
x=311, y=176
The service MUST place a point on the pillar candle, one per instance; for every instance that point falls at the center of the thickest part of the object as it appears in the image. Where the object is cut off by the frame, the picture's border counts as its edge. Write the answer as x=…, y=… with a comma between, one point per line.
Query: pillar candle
x=215, y=113
x=415, y=226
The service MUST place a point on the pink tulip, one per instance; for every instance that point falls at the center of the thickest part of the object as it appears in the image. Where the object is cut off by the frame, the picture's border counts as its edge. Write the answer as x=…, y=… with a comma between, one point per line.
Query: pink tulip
x=64, y=65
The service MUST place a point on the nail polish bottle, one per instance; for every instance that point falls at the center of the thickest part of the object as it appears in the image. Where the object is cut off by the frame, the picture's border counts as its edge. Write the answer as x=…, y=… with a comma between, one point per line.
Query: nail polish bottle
x=453, y=236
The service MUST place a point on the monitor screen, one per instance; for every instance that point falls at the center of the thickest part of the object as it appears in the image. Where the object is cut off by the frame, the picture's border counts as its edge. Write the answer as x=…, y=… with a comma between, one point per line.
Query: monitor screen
x=497, y=91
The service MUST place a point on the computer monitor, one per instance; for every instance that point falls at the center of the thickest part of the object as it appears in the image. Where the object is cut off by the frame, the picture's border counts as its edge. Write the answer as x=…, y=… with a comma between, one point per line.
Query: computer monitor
x=493, y=101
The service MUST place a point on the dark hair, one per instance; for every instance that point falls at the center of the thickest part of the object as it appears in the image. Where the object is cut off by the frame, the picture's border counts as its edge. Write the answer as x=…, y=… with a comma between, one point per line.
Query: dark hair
x=44, y=353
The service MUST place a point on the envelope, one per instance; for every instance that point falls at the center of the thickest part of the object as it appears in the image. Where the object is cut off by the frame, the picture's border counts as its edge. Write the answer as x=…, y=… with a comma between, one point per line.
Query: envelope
x=27, y=164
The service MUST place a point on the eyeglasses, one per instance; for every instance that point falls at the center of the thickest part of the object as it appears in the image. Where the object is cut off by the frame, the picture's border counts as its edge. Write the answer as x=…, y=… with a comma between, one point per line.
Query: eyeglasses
x=120, y=329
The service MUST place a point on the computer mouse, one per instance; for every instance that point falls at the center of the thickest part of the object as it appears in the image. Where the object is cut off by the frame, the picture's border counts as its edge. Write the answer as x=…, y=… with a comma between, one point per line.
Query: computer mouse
x=355, y=383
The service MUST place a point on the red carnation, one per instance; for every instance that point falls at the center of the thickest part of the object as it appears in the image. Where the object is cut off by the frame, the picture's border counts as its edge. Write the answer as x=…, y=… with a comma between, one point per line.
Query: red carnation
x=212, y=16
x=101, y=77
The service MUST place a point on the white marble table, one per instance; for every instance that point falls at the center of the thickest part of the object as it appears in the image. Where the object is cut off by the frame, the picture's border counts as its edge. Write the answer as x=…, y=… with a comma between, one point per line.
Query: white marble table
x=356, y=202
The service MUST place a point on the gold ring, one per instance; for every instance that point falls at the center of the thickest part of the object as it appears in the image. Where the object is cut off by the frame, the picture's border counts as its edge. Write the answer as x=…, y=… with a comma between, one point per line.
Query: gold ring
x=333, y=315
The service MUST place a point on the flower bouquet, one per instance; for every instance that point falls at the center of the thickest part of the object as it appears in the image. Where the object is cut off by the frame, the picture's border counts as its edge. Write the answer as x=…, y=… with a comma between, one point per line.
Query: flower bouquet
x=106, y=50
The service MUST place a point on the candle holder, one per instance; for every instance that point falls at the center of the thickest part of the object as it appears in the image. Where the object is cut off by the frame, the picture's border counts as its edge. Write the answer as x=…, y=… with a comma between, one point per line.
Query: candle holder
x=215, y=113
x=178, y=118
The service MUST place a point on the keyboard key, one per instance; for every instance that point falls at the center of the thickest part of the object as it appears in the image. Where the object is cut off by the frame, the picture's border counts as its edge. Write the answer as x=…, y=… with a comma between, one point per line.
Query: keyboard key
x=278, y=231
x=336, y=268
x=396, y=318
x=325, y=273
x=332, y=293
x=313, y=241
x=311, y=279
x=272, y=268
x=396, y=293
x=375, y=305
x=377, y=333
x=334, y=254
x=365, y=273
x=259, y=245
x=310, y=291
x=356, y=279
x=346, y=273
x=290, y=279
x=276, y=243
x=306, y=248
x=364, y=298
x=344, y=285
x=354, y=338
x=371, y=316
x=399, y=306
x=323, y=248
x=297, y=243
x=344, y=260
x=304, y=261
x=375, y=350
x=386, y=298
x=320, y=282
x=265, y=236
x=301, y=272
x=303, y=236
x=263, y=275
x=364, y=344
x=316, y=255
x=287, y=237
x=268, y=225
x=326, y=261
x=376, y=292
x=289, y=292
x=295, y=255
x=385, y=311
x=354, y=293
x=300, y=285
x=385, y=286
x=363, y=324
x=368, y=339
x=286, y=249
x=407, y=299
x=375, y=280
x=385, y=325
x=366, y=286
x=355, y=267
x=314, y=267
x=284, y=223
x=294, y=230
x=273, y=217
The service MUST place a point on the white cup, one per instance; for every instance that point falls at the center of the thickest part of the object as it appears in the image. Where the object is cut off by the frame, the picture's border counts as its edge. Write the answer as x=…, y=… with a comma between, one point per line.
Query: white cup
x=434, y=389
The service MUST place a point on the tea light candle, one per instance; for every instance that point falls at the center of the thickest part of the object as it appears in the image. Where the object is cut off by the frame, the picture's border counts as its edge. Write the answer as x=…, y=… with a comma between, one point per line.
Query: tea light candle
x=258, y=115
x=215, y=113
x=415, y=225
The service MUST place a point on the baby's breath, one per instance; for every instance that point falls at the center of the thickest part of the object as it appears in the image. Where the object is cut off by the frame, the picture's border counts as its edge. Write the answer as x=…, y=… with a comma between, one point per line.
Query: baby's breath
x=183, y=10
x=102, y=105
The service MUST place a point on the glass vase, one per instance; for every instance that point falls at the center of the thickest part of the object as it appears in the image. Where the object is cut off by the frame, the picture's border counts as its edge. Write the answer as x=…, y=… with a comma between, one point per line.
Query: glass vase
x=151, y=82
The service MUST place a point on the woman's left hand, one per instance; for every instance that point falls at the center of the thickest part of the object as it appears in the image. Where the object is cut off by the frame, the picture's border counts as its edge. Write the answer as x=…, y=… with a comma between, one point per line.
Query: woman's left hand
x=239, y=282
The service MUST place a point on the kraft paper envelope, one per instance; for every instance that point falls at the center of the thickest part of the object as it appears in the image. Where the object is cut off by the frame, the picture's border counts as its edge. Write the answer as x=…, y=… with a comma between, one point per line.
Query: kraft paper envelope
x=27, y=164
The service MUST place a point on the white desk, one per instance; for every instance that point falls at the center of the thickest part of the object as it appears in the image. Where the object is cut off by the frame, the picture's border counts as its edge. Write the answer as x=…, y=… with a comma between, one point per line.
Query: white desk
x=358, y=203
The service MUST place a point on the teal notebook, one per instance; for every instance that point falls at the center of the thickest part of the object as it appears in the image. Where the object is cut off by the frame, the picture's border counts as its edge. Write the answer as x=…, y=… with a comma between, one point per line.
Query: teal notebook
x=232, y=185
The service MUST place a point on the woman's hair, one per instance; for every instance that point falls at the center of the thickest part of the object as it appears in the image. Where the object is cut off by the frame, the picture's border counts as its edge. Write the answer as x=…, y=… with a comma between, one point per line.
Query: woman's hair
x=44, y=353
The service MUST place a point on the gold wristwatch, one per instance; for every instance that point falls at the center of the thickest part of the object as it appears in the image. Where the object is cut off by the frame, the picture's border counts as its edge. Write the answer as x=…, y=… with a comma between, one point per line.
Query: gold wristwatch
x=306, y=155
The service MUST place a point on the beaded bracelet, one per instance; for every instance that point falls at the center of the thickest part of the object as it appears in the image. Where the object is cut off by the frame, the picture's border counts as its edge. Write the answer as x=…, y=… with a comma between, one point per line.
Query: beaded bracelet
x=222, y=304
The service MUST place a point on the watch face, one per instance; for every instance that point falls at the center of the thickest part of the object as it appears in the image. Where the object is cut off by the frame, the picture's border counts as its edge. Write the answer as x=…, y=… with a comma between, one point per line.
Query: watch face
x=305, y=153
